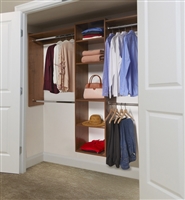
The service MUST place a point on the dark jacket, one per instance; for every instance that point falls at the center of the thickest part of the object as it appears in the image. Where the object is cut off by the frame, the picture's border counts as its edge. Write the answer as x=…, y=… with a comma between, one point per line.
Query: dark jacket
x=48, y=75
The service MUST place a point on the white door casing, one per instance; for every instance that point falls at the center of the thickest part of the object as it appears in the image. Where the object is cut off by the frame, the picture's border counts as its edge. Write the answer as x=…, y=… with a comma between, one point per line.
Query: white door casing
x=10, y=78
x=161, y=99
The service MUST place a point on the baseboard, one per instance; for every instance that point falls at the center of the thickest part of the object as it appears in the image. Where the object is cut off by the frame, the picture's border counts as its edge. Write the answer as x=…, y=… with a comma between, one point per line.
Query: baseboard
x=33, y=160
x=133, y=172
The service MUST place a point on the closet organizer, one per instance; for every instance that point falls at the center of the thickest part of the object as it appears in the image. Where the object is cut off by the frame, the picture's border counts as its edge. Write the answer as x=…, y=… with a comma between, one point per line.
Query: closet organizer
x=81, y=74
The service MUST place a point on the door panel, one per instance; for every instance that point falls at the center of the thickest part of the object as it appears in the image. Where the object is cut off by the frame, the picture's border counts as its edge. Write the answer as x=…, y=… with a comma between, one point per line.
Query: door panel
x=164, y=151
x=164, y=35
x=161, y=99
x=10, y=44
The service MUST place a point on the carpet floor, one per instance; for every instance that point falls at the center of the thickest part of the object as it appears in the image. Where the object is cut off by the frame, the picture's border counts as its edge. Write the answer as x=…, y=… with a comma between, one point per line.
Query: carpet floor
x=48, y=181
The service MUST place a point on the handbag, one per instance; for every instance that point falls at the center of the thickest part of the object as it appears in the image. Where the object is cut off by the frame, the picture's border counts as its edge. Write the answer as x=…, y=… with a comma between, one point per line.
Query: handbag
x=93, y=90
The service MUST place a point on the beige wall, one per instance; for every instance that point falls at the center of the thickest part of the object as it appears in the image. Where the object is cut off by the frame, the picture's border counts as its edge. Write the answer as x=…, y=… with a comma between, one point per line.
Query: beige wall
x=6, y=6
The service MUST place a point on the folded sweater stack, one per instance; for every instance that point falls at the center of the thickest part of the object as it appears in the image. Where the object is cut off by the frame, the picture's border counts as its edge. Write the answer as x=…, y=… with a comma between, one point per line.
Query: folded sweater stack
x=91, y=33
x=92, y=56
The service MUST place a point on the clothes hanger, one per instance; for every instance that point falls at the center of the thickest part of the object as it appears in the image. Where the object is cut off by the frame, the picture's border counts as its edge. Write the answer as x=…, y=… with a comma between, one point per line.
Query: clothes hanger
x=115, y=113
x=120, y=113
x=72, y=38
x=128, y=114
x=110, y=112
x=117, y=117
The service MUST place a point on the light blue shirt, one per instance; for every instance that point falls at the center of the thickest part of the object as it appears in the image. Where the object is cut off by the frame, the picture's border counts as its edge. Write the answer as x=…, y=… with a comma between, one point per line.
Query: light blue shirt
x=105, y=80
x=129, y=66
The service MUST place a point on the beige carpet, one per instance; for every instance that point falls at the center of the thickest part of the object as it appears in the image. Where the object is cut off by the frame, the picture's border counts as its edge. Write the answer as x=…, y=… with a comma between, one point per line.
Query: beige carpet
x=52, y=181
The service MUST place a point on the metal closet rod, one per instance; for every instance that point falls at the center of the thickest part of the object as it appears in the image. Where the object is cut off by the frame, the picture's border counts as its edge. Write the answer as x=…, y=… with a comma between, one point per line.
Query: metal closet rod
x=123, y=104
x=54, y=37
x=122, y=26
x=50, y=101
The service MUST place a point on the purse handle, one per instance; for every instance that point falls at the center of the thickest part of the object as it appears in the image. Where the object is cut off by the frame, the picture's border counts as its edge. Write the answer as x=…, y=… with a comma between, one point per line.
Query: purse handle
x=91, y=78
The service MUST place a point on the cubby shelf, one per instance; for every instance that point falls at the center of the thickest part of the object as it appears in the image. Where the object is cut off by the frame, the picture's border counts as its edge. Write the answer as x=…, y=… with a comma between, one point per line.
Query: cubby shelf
x=91, y=153
x=82, y=106
x=91, y=41
x=101, y=127
x=91, y=63
x=95, y=100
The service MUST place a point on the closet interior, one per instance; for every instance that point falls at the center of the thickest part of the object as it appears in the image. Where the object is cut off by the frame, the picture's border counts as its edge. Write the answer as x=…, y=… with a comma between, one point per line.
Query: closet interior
x=84, y=108
x=36, y=61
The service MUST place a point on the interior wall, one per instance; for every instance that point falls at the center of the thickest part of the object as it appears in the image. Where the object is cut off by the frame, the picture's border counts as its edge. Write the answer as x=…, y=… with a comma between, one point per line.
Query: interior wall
x=59, y=137
x=34, y=131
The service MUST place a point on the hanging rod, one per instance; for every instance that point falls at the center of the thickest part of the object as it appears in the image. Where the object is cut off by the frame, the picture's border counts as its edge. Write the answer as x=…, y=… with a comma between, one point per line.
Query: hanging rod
x=49, y=101
x=122, y=26
x=54, y=37
x=123, y=104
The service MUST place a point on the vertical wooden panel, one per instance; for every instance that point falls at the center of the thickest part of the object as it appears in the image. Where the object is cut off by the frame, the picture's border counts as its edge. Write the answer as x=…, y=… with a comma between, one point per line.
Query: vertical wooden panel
x=35, y=76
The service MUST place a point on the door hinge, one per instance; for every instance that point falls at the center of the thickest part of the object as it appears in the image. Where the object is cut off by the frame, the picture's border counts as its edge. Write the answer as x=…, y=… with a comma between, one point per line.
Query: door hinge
x=21, y=33
x=21, y=90
x=20, y=150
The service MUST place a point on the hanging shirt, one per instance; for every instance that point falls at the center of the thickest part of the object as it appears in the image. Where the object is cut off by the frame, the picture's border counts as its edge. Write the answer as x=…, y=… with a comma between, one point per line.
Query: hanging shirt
x=117, y=64
x=105, y=80
x=113, y=64
x=129, y=66
x=66, y=66
x=48, y=74
x=56, y=60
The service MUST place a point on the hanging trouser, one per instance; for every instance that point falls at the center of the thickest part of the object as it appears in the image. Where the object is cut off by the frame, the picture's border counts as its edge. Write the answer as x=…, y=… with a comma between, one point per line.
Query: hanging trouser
x=113, y=146
x=127, y=143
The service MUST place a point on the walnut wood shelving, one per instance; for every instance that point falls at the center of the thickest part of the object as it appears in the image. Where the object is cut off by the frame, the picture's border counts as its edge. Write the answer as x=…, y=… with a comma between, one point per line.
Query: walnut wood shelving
x=91, y=41
x=82, y=70
x=101, y=127
x=91, y=153
x=90, y=63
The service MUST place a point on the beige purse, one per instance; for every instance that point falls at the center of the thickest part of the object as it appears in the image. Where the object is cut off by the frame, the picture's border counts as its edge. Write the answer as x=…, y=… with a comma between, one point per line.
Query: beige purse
x=93, y=90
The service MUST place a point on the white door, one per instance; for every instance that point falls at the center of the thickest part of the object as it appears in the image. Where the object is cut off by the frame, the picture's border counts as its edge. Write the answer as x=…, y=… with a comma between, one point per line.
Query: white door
x=161, y=99
x=10, y=45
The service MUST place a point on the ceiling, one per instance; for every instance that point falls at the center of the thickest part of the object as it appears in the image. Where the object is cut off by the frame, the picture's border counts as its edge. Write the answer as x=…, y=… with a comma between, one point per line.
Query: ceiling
x=79, y=11
x=8, y=5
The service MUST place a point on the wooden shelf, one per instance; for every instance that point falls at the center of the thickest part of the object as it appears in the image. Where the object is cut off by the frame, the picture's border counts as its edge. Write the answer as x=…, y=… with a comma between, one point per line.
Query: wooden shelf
x=91, y=153
x=91, y=41
x=82, y=71
x=99, y=62
x=95, y=100
x=101, y=127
